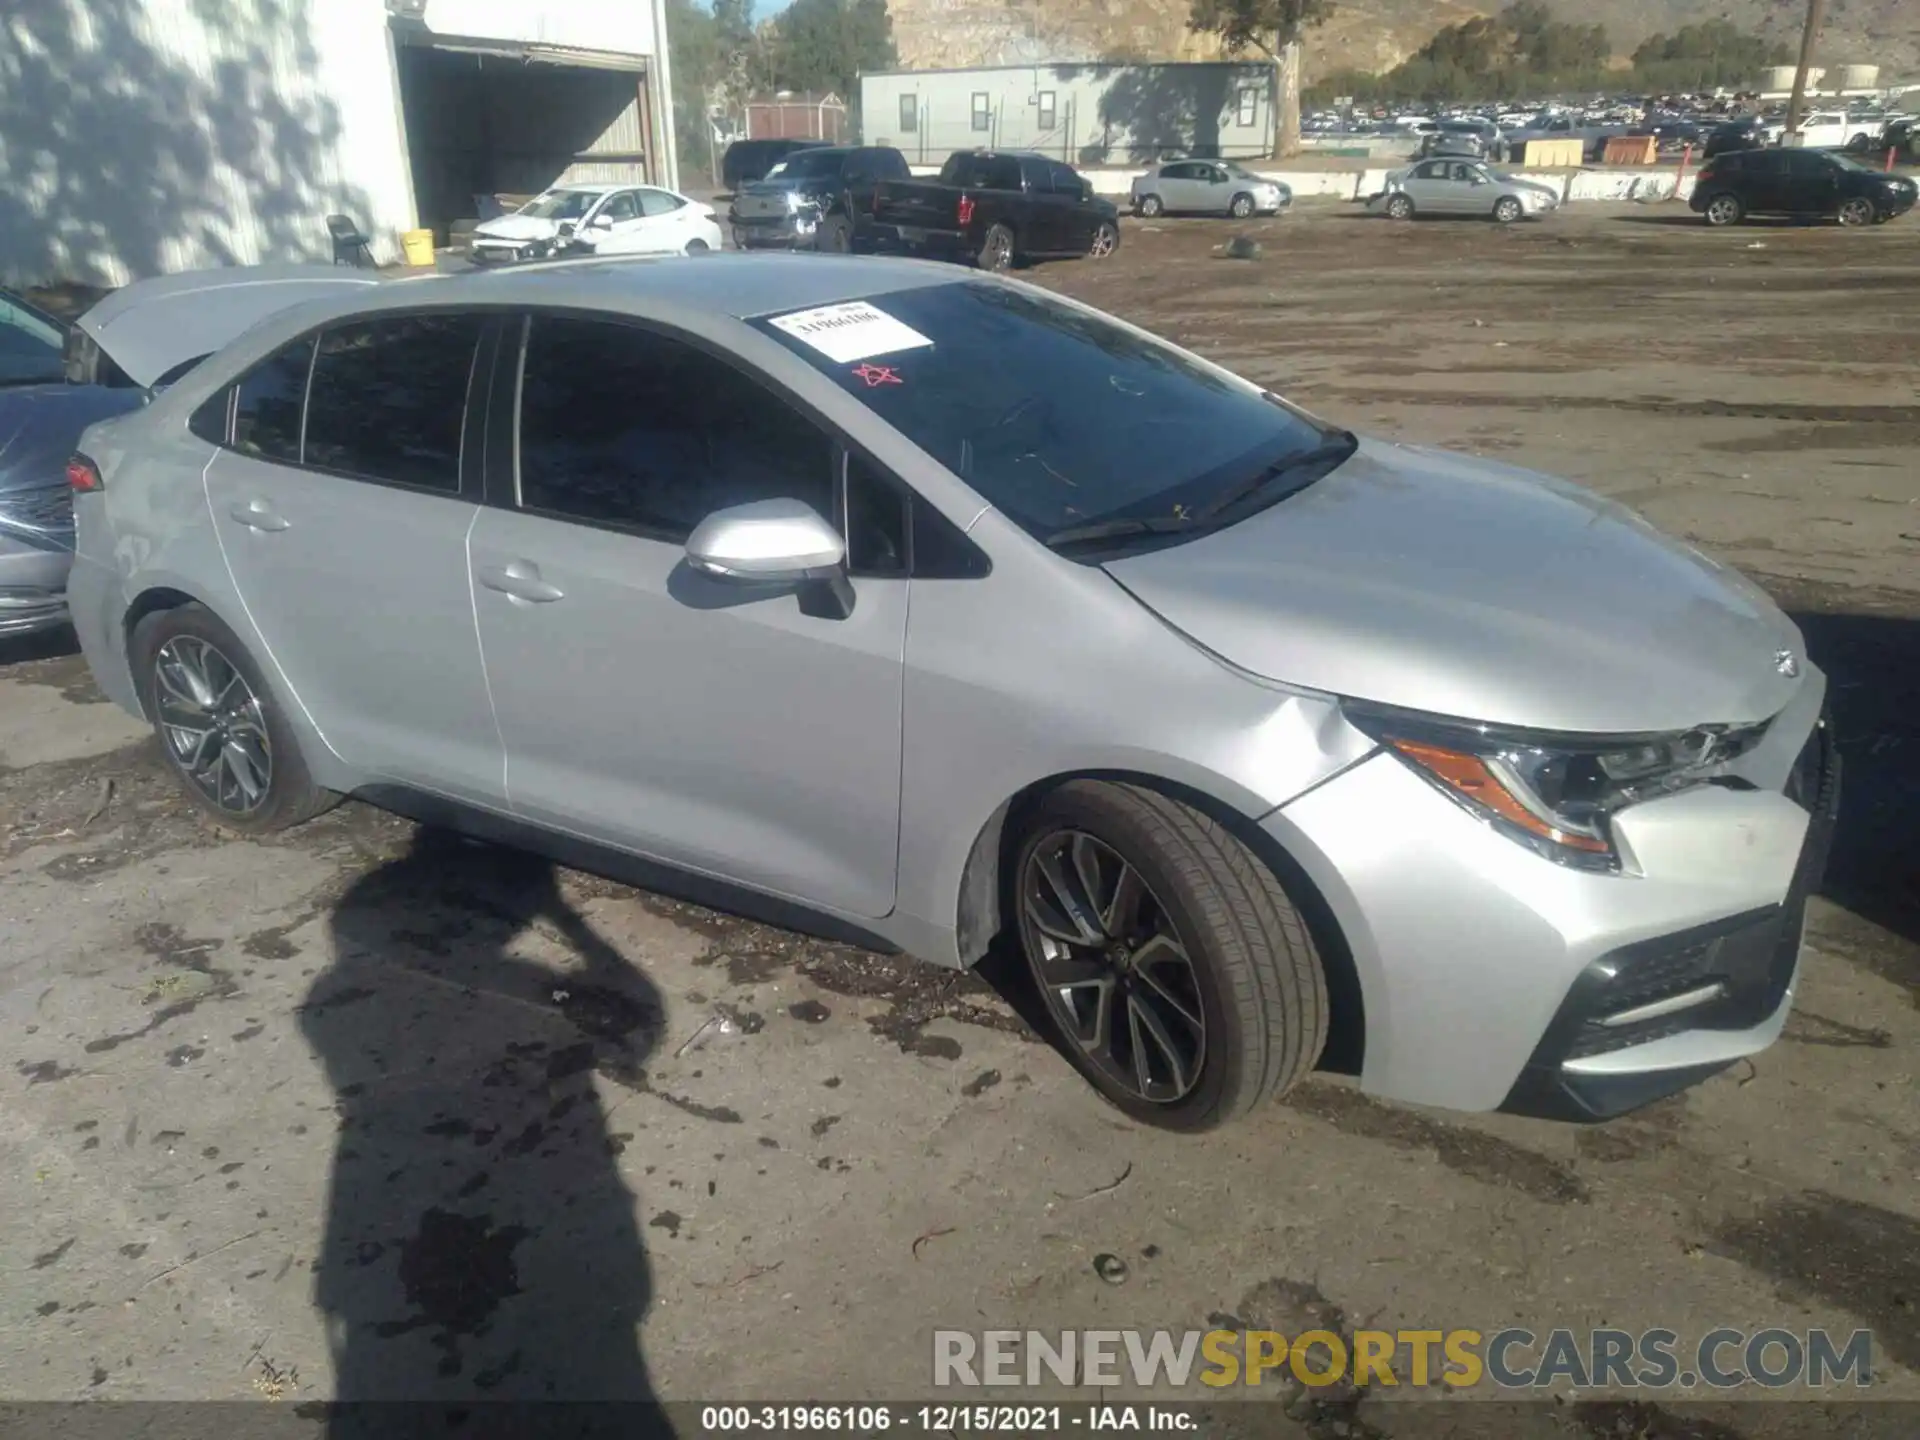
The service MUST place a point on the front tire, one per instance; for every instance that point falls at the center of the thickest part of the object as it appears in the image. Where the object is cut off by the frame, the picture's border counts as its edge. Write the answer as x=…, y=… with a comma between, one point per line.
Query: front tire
x=220, y=728
x=1182, y=980
x=996, y=249
x=1724, y=210
x=1151, y=206
x=1400, y=207
x=1507, y=210
x=1857, y=211
x=835, y=236
x=1241, y=207
x=1106, y=240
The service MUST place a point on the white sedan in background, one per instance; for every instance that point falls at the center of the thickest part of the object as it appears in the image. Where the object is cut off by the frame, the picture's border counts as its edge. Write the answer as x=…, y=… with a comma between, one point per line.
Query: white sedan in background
x=603, y=219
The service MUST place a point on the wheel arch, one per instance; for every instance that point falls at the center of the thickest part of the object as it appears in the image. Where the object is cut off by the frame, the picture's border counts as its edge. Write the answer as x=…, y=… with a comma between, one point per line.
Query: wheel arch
x=151, y=601
x=981, y=902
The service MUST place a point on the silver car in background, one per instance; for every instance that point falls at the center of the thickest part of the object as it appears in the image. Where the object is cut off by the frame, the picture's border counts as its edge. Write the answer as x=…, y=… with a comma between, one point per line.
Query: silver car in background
x=1208, y=187
x=1462, y=187
x=930, y=607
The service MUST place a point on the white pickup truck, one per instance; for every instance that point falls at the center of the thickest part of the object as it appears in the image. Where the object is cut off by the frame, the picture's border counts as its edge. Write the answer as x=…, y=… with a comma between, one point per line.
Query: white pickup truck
x=1832, y=130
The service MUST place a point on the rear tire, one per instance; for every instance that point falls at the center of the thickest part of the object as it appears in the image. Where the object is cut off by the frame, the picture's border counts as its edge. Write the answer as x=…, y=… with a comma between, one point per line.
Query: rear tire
x=996, y=249
x=1400, y=207
x=1151, y=205
x=1241, y=207
x=1208, y=963
x=1724, y=210
x=220, y=728
x=697, y=246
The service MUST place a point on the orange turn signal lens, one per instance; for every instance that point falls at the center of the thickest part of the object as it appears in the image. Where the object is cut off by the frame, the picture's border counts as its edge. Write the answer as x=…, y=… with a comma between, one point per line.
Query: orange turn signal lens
x=1468, y=776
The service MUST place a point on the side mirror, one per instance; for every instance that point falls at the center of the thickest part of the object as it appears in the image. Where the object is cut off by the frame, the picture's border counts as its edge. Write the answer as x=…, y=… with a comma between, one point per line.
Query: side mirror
x=600, y=222
x=773, y=542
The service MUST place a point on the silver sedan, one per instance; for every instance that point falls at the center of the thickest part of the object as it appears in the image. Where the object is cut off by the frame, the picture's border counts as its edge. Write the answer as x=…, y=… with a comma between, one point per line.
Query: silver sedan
x=1208, y=187
x=928, y=607
x=1461, y=187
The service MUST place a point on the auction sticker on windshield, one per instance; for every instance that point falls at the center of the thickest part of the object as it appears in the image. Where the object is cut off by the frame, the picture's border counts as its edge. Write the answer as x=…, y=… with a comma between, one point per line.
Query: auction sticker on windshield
x=851, y=331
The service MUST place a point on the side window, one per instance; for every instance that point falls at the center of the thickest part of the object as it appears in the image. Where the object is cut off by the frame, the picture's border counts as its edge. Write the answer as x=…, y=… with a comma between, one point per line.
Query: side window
x=1033, y=174
x=619, y=207
x=389, y=398
x=940, y=551
x=909, y=114
x=209, y=420
x=266, y=411
x=891, y=165
x=622, y=426
x=1065, y=180
x=876, y=522
x=659, y=202
x=1430, y=171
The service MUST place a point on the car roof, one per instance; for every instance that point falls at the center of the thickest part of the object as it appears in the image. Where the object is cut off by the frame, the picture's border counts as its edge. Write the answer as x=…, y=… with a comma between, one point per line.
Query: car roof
x=735, y=286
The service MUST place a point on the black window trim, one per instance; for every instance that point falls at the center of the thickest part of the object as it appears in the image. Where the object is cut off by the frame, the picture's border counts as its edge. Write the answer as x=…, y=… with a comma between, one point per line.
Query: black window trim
x=468, y=476
x=502, y=488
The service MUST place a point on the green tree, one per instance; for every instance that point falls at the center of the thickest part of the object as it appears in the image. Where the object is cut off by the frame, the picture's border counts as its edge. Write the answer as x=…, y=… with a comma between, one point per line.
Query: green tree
x=694, y=42
x=1276, y=28
x=826, y=44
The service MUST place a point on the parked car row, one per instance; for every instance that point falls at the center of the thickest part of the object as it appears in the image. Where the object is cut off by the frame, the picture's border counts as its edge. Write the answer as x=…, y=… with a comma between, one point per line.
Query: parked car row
x=925, y=607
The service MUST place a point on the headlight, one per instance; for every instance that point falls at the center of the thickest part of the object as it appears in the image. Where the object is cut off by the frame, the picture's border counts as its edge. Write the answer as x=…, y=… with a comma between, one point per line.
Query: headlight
x=1555, y=794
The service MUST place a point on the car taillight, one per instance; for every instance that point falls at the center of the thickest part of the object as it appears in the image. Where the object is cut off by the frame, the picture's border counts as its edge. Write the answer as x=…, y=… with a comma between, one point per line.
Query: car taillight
x=83, y=475
x=966, y=210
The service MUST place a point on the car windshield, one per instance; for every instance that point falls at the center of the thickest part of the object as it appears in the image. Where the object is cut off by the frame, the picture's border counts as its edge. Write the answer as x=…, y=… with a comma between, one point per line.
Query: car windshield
x=1059, y=417
x=561, y=204
x=806, y=163
x=31, y=346
x=1847, y=162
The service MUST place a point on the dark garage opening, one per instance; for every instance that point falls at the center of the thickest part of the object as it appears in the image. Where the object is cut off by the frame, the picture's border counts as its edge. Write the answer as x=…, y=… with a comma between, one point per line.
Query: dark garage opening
x=488, y=124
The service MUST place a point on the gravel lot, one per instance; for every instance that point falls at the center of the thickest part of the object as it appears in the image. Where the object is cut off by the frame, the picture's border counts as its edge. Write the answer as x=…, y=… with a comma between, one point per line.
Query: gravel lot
x=473, y=1118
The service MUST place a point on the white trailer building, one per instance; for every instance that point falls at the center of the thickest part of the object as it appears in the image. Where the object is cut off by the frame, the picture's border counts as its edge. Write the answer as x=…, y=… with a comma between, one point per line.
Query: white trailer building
x=139, y=137
x=1084, y=114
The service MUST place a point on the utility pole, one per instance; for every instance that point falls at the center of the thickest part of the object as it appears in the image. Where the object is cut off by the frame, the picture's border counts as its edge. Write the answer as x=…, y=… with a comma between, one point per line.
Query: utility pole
x=1816, y=13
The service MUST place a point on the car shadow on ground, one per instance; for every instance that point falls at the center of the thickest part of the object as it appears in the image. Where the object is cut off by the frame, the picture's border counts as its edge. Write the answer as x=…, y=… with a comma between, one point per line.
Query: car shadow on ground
x=1873, y=668
x=480, y=1242
x=39, y=645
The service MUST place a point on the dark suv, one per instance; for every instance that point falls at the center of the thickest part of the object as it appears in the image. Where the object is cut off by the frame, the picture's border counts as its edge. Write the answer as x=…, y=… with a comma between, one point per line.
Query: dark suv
x=749, y=160
x=819, y=199
x=1804, y=183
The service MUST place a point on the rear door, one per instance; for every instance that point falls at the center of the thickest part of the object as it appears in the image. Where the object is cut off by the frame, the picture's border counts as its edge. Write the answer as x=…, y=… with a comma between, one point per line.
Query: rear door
x=1428, y=187
x=1181, y=189
x=342, y=504
x=720, y=728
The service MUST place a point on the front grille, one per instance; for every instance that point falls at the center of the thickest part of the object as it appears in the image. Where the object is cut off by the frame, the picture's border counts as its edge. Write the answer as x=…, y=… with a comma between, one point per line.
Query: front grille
x=45, y=508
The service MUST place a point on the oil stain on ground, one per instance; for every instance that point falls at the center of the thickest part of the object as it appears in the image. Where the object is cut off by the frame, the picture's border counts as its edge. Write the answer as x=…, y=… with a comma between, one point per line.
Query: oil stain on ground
x=1482, y=1157
x=1826, y=1252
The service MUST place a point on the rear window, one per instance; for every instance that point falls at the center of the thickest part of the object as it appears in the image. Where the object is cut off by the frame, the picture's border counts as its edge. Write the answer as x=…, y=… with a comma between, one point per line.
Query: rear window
x=1057, y=416
x=982, y=172
x=31, y=346
x=809, y=164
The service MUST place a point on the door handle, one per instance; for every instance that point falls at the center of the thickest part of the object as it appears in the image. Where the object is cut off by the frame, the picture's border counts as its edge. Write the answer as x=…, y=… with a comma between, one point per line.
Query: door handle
x=520, y=579
x=257, y=515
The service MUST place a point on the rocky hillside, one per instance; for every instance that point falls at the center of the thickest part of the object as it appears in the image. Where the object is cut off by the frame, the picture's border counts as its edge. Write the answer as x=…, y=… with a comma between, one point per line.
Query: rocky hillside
x=1364, y=34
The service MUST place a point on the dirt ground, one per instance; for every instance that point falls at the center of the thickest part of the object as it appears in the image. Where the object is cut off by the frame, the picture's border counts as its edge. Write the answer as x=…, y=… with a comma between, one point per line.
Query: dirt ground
x=279, y=1112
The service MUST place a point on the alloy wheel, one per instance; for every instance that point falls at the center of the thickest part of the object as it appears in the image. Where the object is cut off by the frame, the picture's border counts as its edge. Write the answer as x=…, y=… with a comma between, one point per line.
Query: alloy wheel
x=213, y=724
x=1115, y=974
x=1151, y=206
x=1104, y=239
x=999, y=251
x=1242, y=207
x=1723, y=210
x=1857, y=211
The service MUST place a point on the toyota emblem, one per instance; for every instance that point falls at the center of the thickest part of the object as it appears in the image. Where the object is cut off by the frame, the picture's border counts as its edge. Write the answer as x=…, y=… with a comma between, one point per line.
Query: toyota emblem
x=1784, y=662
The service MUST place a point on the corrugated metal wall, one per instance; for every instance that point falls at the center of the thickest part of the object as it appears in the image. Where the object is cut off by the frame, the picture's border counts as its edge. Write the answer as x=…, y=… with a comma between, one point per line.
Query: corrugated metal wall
x=143, y=136
x=1083, y=114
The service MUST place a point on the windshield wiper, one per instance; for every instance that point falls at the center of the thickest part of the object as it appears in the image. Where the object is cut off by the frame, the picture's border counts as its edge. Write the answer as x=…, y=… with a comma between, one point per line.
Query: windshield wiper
x=1098, y=530
x=1289, y=474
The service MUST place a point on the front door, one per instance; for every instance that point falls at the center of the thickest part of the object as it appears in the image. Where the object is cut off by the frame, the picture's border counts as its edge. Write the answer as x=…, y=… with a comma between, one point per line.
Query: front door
x=349, y=548
x=721, y=728
x=1812, y=185
x=1046, y=225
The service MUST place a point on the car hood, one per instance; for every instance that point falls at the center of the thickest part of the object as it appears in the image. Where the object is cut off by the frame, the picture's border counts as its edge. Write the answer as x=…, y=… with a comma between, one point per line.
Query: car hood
x=40, y=427
x=518, y=227
x=1440, y=583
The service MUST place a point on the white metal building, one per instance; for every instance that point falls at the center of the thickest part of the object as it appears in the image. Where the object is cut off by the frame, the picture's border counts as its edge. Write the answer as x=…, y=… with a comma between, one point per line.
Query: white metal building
x=139, y=137
x=1085, y=114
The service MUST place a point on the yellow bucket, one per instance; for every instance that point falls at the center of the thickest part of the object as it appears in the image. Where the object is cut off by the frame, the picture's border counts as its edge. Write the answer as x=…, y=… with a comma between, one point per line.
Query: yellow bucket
x=418, y=246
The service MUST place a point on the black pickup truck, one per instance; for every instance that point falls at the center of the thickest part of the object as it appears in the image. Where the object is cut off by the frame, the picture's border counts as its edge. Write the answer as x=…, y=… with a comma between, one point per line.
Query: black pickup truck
x=819, y=199
x=998, y=208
